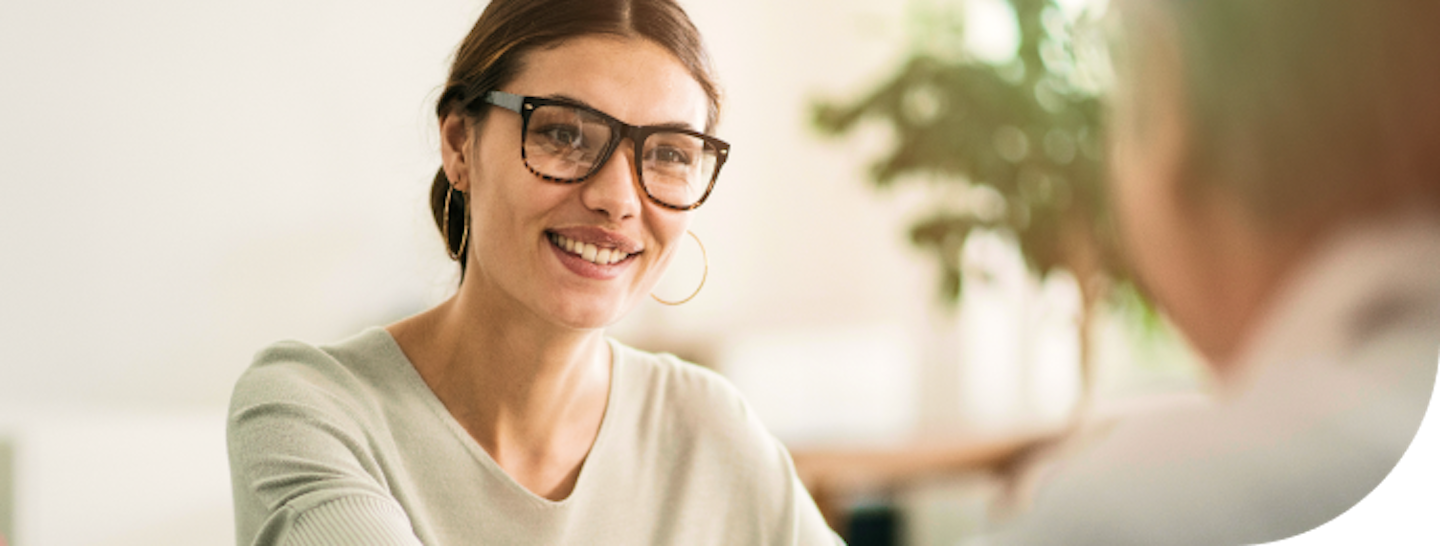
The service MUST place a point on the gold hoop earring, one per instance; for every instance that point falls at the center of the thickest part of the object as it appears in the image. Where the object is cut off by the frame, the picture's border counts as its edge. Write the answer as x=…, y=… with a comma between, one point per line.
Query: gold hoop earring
x=445, y=228
x=703, y=275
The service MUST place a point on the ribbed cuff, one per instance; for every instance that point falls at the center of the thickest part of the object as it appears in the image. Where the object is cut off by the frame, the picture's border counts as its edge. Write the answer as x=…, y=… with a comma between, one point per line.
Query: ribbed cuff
x=352, y=521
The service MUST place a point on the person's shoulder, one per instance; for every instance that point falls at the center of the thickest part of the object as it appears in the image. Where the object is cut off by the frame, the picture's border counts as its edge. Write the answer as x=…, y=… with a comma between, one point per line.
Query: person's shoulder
x=696, y=410
x=306, y=428
x=1138, y=481
x=327, y=376
x=697, y=428
x=681, y=386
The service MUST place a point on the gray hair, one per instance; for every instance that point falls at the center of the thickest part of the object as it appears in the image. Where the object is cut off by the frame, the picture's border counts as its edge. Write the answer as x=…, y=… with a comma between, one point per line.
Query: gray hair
x=1301, y=109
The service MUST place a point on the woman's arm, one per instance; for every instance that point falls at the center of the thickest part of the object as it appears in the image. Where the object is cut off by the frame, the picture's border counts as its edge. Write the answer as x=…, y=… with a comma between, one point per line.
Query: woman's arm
x=302, y=471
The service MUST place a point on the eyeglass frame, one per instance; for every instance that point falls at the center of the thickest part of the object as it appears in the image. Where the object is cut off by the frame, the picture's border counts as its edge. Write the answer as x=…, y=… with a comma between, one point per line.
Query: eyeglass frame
x=619, y=130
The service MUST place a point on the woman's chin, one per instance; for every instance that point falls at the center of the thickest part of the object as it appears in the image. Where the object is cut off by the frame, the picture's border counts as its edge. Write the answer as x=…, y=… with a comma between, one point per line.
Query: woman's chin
x=594, y=314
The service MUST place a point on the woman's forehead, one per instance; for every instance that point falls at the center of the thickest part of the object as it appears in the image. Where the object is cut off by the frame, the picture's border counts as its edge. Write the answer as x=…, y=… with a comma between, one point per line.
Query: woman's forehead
x=632, y=79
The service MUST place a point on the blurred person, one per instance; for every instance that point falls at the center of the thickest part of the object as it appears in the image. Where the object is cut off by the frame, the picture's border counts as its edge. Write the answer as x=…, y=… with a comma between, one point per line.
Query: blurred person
x=1276, y=172
x=575, y=147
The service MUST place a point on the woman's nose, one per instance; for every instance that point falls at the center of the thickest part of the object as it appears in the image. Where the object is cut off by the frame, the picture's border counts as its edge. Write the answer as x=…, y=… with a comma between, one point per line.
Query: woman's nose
x=614, y=190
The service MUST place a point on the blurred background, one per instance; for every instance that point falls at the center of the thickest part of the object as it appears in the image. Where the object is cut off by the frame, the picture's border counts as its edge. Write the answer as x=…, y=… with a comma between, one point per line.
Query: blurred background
x=187, y=182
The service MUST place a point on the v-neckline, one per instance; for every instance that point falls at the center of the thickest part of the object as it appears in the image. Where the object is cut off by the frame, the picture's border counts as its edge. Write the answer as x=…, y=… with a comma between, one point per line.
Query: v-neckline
x=483, y=457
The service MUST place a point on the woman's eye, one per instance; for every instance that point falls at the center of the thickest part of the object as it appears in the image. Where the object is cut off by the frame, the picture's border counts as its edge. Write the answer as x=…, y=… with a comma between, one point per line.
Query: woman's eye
x=670, y=155
x=568, y=136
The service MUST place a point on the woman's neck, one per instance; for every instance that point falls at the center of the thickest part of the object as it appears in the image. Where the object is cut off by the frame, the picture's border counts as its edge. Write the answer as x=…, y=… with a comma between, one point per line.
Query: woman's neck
x=531, y=393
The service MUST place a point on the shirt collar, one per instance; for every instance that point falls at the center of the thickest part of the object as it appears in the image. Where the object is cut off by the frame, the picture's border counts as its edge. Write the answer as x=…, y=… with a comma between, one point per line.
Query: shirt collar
x=1360, y=278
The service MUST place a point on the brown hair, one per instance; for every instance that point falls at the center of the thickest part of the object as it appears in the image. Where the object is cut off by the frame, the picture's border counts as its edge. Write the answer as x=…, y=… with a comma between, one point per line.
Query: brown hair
x=493, y=53
x=1302, y=109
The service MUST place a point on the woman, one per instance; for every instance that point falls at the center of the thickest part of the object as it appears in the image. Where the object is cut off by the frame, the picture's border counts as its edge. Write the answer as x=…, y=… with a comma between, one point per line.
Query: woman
x=574, y=144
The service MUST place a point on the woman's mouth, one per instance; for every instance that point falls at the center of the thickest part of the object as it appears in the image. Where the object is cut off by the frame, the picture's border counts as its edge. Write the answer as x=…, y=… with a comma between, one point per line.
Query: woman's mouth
x=588, y=251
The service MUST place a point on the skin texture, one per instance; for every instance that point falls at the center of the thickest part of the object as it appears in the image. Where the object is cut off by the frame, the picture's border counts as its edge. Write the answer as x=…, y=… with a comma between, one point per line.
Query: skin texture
x=518, y=354
x=1210, y=264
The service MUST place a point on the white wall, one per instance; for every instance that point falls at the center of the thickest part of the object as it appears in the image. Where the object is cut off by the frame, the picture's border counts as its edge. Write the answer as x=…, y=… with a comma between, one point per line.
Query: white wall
x=187, y=181
x=130, y=478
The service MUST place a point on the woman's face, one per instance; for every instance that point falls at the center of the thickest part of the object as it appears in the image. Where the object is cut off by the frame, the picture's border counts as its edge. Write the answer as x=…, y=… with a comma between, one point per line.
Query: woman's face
x=515, y=261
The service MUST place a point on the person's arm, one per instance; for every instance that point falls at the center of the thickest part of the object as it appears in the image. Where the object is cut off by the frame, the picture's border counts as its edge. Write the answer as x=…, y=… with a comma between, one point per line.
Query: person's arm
x=302, y=470
x=809, y=525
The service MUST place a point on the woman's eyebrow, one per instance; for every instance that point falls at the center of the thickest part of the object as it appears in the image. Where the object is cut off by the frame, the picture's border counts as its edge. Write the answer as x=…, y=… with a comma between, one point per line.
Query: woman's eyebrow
x=567, y=98
x=678, y=125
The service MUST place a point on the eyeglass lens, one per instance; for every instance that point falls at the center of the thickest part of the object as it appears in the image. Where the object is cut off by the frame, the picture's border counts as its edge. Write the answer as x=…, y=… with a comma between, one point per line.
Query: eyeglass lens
x=566, y=143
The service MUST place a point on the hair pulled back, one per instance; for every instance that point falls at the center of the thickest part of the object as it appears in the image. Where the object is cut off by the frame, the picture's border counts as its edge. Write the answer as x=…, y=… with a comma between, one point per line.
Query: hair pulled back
x=493, y=53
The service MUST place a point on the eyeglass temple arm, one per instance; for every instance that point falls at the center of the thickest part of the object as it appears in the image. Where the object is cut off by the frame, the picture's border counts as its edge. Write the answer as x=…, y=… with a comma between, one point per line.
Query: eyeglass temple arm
x=505, y=100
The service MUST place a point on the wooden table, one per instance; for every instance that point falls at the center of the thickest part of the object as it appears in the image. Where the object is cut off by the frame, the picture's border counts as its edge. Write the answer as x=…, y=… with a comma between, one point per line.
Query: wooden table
x=833, y=474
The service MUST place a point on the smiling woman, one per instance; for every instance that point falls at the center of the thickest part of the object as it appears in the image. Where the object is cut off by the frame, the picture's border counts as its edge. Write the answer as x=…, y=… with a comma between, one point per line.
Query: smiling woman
x=505, y=414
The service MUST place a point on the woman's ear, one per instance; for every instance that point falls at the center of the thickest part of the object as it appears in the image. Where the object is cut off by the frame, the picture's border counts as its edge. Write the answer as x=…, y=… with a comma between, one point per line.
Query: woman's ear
x=455, y=150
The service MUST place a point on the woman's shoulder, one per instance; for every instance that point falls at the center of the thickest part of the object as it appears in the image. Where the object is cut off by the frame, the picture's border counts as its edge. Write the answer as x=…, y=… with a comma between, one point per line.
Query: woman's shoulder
x=698, y=424
x=316, y=376
x=693, y=402
x=675, y=380
x=307, y=429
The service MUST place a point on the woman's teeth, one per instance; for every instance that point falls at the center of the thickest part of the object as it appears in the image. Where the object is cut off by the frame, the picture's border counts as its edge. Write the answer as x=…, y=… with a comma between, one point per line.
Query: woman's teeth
x=587, y=251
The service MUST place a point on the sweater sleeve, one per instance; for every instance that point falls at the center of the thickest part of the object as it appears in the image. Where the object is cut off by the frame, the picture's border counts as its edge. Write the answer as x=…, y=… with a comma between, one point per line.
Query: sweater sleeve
x=806, y=526
x=358, y=519
x=302, y=470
